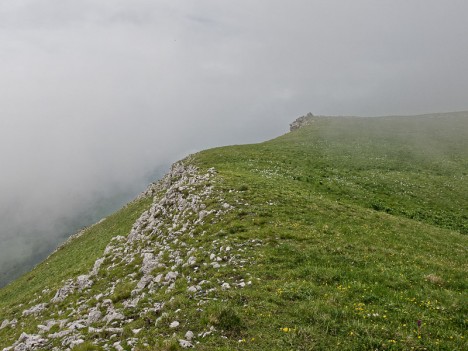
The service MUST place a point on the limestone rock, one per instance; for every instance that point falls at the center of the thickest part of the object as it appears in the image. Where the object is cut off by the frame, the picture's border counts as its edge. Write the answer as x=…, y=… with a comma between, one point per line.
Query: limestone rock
x=185, y=344
x=35, y=309
x=113, y=315
x=144, y=281
x=94, y=316
x=97, y=265
x=149, y=263
x=4, y=324
x=191, y=261
x=189, y=335
x=83, y=282
x=117, y=346
x=192, y=289
x=49, y=324
x=301, y=122
x=27, y=342
x=174, y=324
x=64, y=291
x=171, y=276
x=59, y=334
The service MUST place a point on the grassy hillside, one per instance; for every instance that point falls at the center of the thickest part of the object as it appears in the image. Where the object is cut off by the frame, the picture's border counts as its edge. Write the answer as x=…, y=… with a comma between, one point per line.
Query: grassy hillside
x=348, y=232
x=70, y=260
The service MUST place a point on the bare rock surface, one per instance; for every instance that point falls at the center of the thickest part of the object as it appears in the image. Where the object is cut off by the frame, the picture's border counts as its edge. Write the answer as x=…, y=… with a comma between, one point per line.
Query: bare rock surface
x=301, y=122
x=35, y=309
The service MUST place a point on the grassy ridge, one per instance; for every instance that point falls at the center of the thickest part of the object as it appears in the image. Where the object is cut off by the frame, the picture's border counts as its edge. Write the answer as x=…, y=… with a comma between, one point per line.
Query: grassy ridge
x=335, y=276
x=415, y=167
x=364, y=222
x=363, y=228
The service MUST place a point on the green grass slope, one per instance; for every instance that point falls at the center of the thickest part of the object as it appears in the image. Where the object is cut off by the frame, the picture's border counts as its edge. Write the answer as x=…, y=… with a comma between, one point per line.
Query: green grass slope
x=362, y=224
x=70, y=260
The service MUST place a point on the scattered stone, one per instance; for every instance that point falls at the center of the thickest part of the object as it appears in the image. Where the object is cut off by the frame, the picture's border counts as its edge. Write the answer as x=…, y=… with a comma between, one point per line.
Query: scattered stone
x=185, y=344
x=131, y=303
x=59, y=334
x=144, y=281
x=117, y=346
x=4, y=324
x=94, y=316
x=192, y=289
x=113, y=315
x=64, y=291
x=76, y=342
x=158, y=278
x=106, y=330
x=97, y=265
x=28, y=342
x=76, y=325
x=159, y=237
x=191, y=261
x=35, y=309
x=171, y=276
x=202, y=214
x=189, y=335
x=46, y=328
x=209, y=332
x=83, y=282
x=149, y=263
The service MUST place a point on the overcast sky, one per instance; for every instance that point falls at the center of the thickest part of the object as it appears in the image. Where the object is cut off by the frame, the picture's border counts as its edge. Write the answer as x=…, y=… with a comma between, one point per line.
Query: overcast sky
x=96, y=94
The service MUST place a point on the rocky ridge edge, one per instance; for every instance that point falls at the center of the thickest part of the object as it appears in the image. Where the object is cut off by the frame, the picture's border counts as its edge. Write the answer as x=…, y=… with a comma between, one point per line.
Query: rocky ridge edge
x=157, y=258
x=301, y=122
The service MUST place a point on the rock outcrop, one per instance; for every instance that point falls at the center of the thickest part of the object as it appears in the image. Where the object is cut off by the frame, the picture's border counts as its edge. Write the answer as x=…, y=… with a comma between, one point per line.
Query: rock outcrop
x=301, y=122
x=140, y=274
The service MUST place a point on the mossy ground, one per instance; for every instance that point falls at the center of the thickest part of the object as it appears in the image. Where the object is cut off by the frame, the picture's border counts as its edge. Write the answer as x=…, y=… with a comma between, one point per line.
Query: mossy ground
x=363, y=227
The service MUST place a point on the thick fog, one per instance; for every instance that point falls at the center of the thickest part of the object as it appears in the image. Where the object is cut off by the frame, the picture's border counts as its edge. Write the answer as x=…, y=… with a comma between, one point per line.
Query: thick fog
x=98, y=96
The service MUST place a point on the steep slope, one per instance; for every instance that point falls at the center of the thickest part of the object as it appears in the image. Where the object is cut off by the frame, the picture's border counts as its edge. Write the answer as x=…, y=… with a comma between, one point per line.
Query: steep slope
x=340, y=235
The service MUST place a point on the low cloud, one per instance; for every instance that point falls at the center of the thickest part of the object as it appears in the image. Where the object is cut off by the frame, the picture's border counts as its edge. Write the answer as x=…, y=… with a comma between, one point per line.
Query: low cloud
x=96, y=96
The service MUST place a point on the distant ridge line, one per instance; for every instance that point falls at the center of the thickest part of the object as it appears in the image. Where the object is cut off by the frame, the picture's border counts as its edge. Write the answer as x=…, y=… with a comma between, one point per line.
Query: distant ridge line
x=309, y=118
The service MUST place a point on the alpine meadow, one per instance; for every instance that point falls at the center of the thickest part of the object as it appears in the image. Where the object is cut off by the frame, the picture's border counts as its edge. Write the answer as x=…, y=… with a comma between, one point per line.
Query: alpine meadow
x=347, y=233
